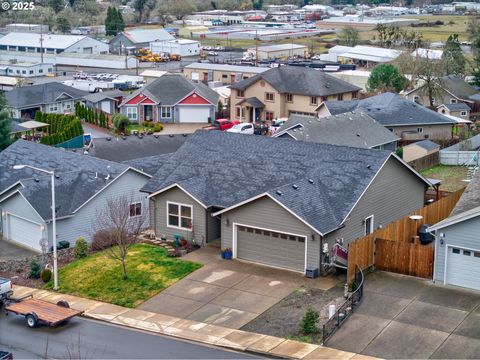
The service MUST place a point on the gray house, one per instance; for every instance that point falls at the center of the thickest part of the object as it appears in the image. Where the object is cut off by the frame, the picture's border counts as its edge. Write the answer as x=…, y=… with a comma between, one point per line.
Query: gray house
x=457, y=243
x=83, y=184
x=106, y=101
x=278, y=202
x=171, y=98
x=405, y=118
x=350, y=129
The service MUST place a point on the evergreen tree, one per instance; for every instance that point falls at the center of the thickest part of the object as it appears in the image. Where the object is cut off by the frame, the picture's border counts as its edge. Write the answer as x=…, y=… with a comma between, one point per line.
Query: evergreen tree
x=56, y=5
x=452, y=57
x=5, y=125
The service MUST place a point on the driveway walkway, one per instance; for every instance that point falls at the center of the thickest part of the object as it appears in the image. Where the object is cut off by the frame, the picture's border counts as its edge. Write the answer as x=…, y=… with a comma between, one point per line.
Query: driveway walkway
x=402, y=317
x=227, y=293
x=9, y=250
x=181, y=128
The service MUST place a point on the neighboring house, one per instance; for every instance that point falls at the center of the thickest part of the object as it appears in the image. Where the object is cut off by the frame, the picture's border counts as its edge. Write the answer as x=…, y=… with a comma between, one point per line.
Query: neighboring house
x=130, y=40
x=278, y=202
x=452, y=90
x=350, y=129
x=457, y=244
x=51, y=43
x=106, y=101
x=227, y=74
x=460, y=110
x=286, y=90
x=120, y=149
x=83, y=185
x=407, y=119
x=419, y=149
x=51, y=97
x=171, y=98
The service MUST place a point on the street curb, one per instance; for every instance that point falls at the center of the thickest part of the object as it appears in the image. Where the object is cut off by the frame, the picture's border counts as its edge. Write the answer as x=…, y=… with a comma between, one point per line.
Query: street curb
x=209, y=334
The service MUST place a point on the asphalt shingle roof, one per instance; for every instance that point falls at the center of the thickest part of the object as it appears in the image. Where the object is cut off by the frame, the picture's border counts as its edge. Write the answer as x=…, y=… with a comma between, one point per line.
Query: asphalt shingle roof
x=457, y=107
x=299, y=80
x=350, y=129
x=458, y=87
x=99, y=96
x=171, y=88
x=390, y=110
x=27, y=96
x=427, y=144
x=79, y=176
x=149, y=164
x=222, y=169
x=132, y=147
x=470, y=198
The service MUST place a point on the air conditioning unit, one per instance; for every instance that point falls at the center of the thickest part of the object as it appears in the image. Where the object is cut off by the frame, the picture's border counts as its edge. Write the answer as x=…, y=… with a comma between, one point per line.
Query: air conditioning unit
x=311, y=273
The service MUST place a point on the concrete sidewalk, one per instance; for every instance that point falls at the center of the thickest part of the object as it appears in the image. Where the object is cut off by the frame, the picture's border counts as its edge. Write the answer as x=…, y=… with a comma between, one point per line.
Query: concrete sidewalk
x=189, y=329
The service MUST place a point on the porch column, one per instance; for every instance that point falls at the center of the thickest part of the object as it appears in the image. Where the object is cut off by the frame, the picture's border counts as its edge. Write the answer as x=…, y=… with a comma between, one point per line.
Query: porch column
x=253, y=116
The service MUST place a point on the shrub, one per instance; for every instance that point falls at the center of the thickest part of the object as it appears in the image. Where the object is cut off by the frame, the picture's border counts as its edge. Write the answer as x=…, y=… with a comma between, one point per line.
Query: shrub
x=46, y=275
x=399, y=152
x=101, y=240
x=309, y=322
x=158, y=128
x=120, y=122
x=81, y=248
x=34, y=269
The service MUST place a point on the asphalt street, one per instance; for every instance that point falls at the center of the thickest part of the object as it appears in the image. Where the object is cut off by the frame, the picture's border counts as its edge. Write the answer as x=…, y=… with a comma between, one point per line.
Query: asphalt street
x=89, y=339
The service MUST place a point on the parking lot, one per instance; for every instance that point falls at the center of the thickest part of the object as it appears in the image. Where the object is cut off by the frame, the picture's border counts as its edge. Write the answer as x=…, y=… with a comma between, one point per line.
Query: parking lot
x=402, y=317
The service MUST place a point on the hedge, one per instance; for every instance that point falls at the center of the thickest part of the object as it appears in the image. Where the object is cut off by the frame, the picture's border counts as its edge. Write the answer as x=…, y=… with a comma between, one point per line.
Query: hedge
x=61, y=127
x=91, y=116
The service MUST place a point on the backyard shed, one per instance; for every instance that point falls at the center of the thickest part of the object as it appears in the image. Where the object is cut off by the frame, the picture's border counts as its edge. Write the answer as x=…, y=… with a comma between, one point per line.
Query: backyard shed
x=419, y=149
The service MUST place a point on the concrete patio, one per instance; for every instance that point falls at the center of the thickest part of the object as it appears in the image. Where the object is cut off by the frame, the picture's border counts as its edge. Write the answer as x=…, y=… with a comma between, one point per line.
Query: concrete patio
x=228, y=293
x=402, y=317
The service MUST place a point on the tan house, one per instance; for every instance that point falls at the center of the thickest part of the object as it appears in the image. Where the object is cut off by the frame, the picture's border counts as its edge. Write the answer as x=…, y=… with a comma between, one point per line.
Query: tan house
x=286, y=90
x=460, y=110
x=419, y=149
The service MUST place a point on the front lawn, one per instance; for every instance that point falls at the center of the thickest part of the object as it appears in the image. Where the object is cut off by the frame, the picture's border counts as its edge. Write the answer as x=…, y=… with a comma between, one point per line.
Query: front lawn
x=452, y=176
x=99, y=277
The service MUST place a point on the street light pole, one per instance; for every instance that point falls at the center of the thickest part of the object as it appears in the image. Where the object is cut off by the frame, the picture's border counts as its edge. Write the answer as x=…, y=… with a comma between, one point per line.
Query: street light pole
x=54, y=219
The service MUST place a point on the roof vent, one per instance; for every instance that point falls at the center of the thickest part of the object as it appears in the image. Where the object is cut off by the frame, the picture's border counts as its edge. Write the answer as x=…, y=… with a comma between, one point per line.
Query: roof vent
x=295, y=186
x=368, y=167
x=310, y=181
x=109, y=138
x=57, y=176
x=156, y=136
x=184, y=135
x=171, y=135
x=279, y=192
x=124, y=137
x=140, y=136
x=358, y=134
x=36, y=180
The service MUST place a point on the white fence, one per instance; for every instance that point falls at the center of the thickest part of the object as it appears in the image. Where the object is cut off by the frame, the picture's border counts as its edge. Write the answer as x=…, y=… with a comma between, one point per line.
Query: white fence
x=464, y=153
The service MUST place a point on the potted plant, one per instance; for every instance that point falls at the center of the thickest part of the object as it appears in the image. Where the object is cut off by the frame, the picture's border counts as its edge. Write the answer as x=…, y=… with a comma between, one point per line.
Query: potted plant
x=227, y=254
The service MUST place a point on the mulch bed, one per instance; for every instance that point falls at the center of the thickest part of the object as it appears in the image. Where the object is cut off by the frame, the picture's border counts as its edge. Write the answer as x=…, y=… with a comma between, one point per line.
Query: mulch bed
x=284, y=318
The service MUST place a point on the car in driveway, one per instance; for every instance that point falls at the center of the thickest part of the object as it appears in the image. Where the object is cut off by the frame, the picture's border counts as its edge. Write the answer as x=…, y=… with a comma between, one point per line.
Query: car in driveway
x=247, y=129
x=222, y=125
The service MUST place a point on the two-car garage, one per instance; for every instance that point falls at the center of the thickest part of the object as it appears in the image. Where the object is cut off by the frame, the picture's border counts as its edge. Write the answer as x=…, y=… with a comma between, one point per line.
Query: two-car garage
x=270, y=248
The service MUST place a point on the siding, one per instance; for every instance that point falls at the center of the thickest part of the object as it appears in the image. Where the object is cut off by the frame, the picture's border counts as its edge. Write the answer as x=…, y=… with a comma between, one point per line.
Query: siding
x=394, y=193
x=199, y=216
x=17, y=205
x=265, y=213
x=82, y=224
x=213, y=227
x=463, y=234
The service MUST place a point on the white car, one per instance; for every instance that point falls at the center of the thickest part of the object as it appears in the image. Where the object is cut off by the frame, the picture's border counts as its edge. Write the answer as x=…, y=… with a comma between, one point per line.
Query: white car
x=242, y=128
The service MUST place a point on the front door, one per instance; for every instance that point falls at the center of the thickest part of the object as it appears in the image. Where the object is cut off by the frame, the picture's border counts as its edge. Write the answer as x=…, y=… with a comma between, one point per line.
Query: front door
x=148, y=112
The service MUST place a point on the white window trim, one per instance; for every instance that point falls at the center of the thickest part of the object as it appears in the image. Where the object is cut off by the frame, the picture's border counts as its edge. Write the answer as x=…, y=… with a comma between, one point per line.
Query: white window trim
x=141, y=209
x=463, y=113
x=179, y=215
x=132, y=113
x=420, y=130
x=371, y=225
x=453, y=101
x=161, y=112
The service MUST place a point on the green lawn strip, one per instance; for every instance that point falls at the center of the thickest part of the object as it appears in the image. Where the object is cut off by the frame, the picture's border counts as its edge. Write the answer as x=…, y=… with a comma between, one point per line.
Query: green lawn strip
x=99, y=277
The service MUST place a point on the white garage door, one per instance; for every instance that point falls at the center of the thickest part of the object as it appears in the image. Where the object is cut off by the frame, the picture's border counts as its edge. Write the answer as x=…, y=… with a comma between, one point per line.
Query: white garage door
x=193, y=114
x=105, y=106
x=463, y=268
x=271, y=248
x=24, y=232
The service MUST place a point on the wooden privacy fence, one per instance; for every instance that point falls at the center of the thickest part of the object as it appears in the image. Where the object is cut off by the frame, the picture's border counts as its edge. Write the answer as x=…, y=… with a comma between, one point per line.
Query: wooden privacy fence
x=426, y=162
x=362, y=252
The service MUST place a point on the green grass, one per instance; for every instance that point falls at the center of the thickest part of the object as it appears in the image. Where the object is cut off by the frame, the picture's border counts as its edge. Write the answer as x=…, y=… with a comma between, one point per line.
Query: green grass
x=137, y=127
x=100, y=277
x=452, y=176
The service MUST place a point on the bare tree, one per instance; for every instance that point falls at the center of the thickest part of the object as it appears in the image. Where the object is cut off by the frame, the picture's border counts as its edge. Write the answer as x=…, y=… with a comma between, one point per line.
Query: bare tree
x=121, y=222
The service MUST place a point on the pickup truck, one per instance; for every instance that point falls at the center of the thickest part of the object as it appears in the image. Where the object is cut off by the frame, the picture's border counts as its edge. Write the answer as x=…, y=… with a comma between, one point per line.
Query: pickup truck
x=6, y=289
x=222, y=125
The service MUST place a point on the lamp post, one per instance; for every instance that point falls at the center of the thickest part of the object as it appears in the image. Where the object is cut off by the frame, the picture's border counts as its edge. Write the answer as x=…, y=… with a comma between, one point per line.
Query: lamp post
x=54, y=223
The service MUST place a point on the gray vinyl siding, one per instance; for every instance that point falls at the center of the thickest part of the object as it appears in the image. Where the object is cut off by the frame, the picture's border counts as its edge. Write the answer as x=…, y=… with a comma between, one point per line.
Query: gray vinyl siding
x=176, y=195
x=394, y=193
x=265, y=213
x=17, y=205
x=213, y=227
x=83, y=223
x=463, y=234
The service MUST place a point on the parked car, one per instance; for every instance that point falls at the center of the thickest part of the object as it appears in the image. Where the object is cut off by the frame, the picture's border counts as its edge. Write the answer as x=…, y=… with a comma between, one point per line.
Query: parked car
x=222, y=125
x=212, y=53
x=260, y=129
x=247, y=129
x=6, y=289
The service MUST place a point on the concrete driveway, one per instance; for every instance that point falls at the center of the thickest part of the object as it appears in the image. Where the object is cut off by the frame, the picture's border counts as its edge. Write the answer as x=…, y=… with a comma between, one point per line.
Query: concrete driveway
x=402, y=317
x=227, y=293
x=9, y=250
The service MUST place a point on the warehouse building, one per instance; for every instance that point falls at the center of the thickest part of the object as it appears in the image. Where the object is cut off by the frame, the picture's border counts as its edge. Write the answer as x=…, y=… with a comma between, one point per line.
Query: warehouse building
x=182, y=47
x=51, y=44
x=226, y=74
x=272, y=52
x=25, y=69
x=134, y=39
x=27, y=28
